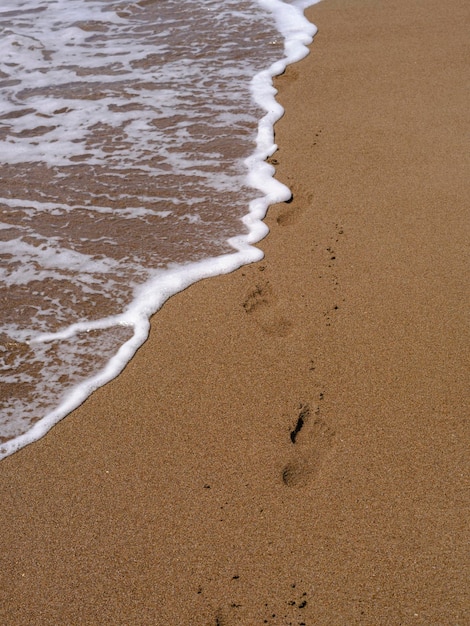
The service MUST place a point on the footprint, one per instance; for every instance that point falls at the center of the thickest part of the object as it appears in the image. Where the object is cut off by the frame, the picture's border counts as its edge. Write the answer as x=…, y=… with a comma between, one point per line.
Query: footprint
x=258, y=297
x=304, y=414
x=314, y=440
x=275, y=324
x=289, y=214
x=292, y=73
x=261, y=303
x=294, y=208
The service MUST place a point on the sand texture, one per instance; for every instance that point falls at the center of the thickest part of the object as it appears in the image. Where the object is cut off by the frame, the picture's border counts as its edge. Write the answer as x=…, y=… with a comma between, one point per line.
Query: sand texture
x=291, y=445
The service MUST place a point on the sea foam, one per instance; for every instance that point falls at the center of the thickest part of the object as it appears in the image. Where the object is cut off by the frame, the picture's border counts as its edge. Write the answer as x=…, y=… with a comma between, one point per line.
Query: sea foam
x=90, y=94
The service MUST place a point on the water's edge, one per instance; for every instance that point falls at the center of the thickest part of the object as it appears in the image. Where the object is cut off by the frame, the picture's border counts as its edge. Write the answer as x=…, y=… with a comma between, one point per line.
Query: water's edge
x=298, y=34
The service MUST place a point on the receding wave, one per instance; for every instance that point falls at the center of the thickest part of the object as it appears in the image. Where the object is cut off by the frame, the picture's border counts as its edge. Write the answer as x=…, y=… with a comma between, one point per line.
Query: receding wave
x=132, y=142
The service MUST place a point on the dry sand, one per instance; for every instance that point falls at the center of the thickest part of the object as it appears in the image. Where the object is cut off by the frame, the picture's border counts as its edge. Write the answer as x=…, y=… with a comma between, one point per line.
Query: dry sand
x=290, y=445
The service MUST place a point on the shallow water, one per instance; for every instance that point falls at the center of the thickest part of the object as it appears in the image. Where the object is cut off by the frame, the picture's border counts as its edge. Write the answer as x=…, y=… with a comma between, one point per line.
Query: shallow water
x=132, y=140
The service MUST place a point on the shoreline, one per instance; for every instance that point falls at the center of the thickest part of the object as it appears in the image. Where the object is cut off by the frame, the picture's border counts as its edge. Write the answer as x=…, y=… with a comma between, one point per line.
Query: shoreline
x=241, y=247
x=289, y=445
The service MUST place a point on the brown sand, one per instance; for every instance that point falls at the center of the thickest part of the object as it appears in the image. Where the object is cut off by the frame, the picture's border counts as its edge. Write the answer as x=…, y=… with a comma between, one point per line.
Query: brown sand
x=289, y=447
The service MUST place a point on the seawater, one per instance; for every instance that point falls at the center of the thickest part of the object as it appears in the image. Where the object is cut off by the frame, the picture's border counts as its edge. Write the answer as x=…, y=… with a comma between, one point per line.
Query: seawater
x=133, y=139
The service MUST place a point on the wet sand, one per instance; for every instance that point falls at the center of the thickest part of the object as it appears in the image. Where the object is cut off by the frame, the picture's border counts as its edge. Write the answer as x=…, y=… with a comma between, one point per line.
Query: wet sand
x=290, y=445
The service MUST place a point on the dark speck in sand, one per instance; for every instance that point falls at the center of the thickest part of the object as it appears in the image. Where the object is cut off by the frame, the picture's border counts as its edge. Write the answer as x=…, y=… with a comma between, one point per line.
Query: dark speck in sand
x=303, y=415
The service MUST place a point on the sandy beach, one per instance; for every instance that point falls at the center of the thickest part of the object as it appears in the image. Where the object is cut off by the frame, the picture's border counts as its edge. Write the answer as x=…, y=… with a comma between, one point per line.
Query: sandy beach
x=290, y=446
